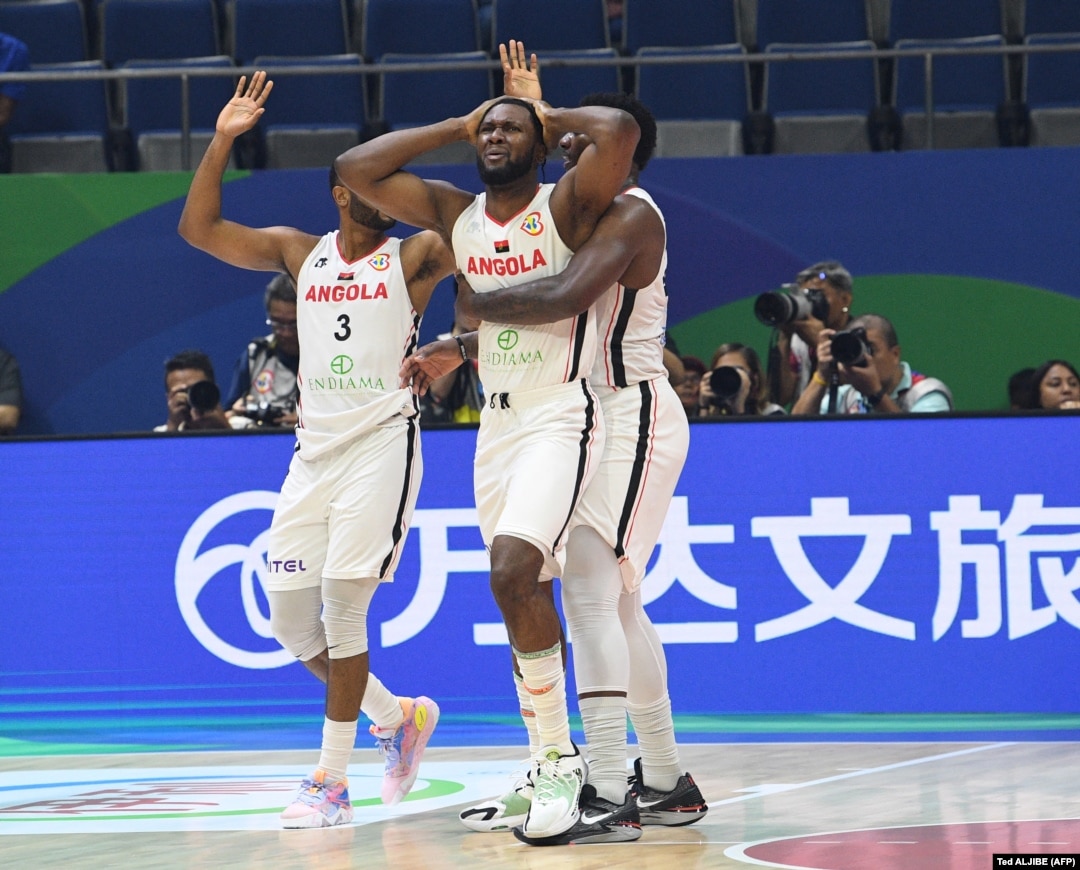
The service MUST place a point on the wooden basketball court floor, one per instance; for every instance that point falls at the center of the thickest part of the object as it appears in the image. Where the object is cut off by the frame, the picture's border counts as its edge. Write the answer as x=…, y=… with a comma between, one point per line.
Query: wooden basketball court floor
x=833, y=806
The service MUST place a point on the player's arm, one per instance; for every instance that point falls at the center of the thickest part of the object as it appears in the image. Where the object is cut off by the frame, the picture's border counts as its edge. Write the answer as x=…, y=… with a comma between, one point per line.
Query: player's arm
x=437, y=359
x=599, y=264
x=425, y=260
x=201, y=223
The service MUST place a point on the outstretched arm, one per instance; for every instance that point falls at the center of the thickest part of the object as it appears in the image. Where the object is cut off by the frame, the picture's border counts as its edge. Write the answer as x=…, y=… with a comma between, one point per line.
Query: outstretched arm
x=280, y=249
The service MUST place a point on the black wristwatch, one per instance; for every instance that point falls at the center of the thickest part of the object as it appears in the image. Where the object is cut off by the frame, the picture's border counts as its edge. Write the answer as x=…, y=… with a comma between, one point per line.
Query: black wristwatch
x=875, y=400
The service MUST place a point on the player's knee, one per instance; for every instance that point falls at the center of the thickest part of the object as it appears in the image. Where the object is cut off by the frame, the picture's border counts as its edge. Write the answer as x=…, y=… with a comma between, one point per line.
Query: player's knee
x=300, y=637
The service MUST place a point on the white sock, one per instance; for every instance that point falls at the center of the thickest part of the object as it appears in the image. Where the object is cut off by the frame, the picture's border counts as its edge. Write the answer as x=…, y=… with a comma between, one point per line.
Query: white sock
x=381, y=705
x=337, y=745
x=604, y=720
x=528, y=715
x=545, y=681
x=660, y=765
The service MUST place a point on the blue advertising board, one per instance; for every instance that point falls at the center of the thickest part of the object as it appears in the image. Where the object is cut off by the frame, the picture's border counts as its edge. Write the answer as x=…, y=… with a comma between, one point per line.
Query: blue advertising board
x=889, y=565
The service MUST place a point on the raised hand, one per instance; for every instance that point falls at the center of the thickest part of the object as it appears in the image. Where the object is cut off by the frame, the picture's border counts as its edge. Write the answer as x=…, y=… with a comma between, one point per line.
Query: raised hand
x=519, y=79
x=243, y=111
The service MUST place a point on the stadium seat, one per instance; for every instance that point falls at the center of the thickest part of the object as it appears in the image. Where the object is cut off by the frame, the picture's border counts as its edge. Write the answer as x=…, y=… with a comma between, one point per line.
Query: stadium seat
x=551, y=25
x=967, y=93
x=566, y=85
x=286, y=28
x=418, y=27
x=705, y=120
x=678, y=23
x=1051, y=16
x=54, y=30
x=799, y=22
x=821, y=105
x=63, y=125
x=157, y=30
x=951, y=19
x=153, y=111
x=1052, y=91
x=312, y=117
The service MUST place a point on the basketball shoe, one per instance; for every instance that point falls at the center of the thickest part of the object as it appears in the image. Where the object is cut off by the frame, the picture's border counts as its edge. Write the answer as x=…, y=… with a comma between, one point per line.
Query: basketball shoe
x=319, y=804
x=404, y=747
x=501, y=813
x=557, y=781
x=683, y=805
x=601, y=821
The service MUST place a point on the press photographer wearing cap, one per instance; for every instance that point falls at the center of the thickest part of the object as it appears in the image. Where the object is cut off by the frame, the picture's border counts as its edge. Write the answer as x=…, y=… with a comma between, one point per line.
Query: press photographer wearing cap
x=859, y=371
x=820, y=298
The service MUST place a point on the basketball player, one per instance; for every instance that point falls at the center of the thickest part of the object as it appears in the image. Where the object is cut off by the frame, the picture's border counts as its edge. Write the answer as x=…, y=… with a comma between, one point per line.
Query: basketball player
x=346, y=504
x=617, y=651
x=540, y=434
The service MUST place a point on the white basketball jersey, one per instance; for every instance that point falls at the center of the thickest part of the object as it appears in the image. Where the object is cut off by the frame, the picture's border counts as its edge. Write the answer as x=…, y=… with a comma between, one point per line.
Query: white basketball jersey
x=356, y=324
x=492, y=255
x=631, y=324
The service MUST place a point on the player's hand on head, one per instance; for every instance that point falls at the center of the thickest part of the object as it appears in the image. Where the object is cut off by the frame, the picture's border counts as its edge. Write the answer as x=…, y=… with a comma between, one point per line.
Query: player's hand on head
x=473, y=119
x=520, y=78
x=245, y=108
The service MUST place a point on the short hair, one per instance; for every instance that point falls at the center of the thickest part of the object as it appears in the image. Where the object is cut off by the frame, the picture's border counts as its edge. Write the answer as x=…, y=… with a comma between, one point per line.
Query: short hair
x=281, y=288
x=537, y=125
x=639, y=111
x=189, y=359
x=831, y=271
x=876, y=321
x=1035, y=385
x=693, y=364
x=335, y=179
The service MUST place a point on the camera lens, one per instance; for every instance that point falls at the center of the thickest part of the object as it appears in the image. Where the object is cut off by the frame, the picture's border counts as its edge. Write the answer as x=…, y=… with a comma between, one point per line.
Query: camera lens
x=203, y=396
x=848, y=348
x=725, y=382
x=774, y=308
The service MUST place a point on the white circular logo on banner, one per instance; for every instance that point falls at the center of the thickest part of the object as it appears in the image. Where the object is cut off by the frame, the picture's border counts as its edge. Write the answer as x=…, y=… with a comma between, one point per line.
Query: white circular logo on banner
x=194, y=570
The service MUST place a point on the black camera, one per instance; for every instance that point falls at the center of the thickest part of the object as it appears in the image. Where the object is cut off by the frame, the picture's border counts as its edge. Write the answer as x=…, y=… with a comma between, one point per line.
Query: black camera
x=850, y=347
x=725, y=383
x=203, y=396
x=263, y=413
x=778, y=307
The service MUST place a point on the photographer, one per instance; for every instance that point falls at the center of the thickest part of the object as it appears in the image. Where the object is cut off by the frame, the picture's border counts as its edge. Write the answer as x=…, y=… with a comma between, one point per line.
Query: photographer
x=863, y=364
x=192, y=396
x=263, y=388
x=827, y=286
x=736, y=384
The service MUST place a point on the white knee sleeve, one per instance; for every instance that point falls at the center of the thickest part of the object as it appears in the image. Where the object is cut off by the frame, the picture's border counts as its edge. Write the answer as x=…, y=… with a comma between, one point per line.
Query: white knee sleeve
x=295, y=621
x=648, y=664
x=591, y=589
x=345, y=607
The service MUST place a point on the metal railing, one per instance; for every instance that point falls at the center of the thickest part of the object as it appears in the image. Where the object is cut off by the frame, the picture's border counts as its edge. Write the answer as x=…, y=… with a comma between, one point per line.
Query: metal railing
x=186, y=73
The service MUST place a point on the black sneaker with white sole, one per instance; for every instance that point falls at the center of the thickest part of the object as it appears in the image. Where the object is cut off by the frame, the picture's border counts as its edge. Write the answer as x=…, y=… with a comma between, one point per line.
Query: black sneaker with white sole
x=600, y=821
x=683, y=805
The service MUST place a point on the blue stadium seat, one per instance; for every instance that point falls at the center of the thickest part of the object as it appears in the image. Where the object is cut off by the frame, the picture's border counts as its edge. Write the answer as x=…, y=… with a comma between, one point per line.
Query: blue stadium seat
x=566, y=85
x=967, y=91
x=700, y=121
x=944, y=19
x=551, y=25
x=158, y=30
x=54, y=30
x=311, y=118
x=676, y=23
x=796, y=21
x=153, y=111
x=62, y=126
x=418, y=27
x=1051, y=16
x=1052, y=91
x=286, y=28
x=821, y=105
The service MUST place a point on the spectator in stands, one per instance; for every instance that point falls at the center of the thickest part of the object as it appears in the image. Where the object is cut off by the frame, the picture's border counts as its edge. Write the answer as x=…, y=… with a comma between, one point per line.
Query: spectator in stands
x=689, y=389
x=10, y=393
x=14, y=57
x=1054, y=386
x=192, y=395
x=735, y=384
x=264, y=387
x=792, y=358
x=456, y=397
x=872, y=376
x=1020, y=389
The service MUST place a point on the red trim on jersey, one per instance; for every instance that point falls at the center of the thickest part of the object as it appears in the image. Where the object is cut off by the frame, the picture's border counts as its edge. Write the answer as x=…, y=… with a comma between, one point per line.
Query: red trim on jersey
x=513, y=217
x=337, y=244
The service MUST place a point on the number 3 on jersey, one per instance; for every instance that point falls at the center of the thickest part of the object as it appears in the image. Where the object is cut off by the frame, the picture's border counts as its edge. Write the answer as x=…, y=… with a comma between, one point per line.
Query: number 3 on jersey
x=345, y=331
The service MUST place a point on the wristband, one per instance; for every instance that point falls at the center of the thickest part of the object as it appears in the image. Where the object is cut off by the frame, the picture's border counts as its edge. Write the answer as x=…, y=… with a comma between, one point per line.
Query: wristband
x=875, y=400
x=461, y=347
x=818, y=379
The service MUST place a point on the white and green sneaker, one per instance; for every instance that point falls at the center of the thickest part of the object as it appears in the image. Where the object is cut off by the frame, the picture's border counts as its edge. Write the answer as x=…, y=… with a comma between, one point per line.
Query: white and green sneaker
x=501, y=813
x=557, y=781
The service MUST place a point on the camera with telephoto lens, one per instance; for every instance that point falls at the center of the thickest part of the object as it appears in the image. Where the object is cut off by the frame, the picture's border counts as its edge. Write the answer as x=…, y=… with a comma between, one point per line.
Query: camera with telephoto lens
x=263, y=413
x=203, y=396
x=778, y=307
x=851, y=348
x=725, y=383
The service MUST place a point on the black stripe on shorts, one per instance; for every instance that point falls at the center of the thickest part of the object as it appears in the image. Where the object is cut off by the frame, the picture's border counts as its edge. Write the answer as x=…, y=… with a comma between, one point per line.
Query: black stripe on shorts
x=583, y=457
x=410, y=453
x=640, y=454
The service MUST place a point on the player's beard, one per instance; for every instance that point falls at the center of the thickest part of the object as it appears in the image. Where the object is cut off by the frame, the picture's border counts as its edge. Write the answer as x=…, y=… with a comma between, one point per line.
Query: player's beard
x=510, y=171
x=367, y=216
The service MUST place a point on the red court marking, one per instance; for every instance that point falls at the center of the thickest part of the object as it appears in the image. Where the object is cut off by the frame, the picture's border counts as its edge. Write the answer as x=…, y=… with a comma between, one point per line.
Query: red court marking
x=967, y=846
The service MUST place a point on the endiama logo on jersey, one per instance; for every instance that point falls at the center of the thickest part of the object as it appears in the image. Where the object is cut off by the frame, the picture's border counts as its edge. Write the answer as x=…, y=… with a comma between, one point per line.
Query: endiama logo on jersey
x=380, y=262
x=532, y=224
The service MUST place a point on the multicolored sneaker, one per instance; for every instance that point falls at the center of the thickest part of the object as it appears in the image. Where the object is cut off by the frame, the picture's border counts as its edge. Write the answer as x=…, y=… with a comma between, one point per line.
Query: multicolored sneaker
x=683, y=805
x=601, y=821
x=502, y=813
x=557, y=781
x=319, y=804
x=405, y=747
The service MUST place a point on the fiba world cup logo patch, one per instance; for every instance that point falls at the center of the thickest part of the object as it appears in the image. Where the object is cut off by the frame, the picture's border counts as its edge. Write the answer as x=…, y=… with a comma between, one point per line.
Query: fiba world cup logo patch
x=380, y=262
x=264, y=383
x=532, y=224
